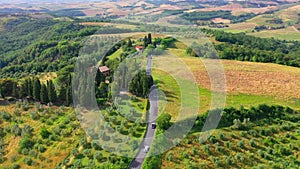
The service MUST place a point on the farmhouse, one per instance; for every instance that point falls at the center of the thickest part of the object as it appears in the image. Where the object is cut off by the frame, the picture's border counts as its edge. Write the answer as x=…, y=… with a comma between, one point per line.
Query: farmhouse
x=105, y=70
x=139, y=48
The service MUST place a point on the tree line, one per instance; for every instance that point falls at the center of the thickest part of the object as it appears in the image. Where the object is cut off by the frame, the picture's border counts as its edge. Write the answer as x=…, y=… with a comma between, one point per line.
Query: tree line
x=33, y=89
x=232, y=115
x=249, y=48
x=209, y=15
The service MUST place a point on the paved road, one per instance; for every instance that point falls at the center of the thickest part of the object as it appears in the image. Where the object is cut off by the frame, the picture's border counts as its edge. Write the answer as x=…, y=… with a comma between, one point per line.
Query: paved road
x=153, y=113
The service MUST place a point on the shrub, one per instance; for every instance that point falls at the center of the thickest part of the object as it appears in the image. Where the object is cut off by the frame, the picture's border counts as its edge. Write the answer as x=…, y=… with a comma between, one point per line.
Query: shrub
x=17, y=112
x=270, y=150
x=206, y=149
x=86, y=152
x=133, y=98
x=45, y=133
x=16, y=130
x=284, y=151
x=202, y=165
x=228, y=144
x=163, y=121
x=213, y=139
x=98, y=156
x=77, y=163
x=262, y=154
x=170, y=156
x=289, y=135
x=264, y=132
x=5, y=116
x=27, y=161
x=195, y=151
x=184, y=155
x=49, y=122
x=53, y=138
x=243, y=133
x=14, y=158
x=26, y=143
x=16, y=166
x=269, y=141
x=33, y=153
x=95, y=146
x=75, y=152
x=229, y=160
x=140, y=105
x=218, y=148
x=41, y=148
x=25, y=151
x=239, y=157
x=34, y=115
x=252, y=143
x=217, y=162
x=27, y=131
x=221, y=136
x=287, y=126
x=241, y=144
x=2, y=133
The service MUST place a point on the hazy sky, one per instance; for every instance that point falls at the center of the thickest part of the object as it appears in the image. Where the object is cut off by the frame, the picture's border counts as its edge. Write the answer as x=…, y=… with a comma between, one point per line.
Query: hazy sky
x=44, y=1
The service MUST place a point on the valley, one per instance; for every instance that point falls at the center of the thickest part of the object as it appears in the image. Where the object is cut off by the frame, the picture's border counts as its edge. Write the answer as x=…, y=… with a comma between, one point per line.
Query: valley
x=76, y=79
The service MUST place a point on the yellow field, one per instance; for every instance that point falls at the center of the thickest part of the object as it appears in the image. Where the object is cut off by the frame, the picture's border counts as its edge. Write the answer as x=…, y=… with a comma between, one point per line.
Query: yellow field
x=290, y=14
x=249, y=77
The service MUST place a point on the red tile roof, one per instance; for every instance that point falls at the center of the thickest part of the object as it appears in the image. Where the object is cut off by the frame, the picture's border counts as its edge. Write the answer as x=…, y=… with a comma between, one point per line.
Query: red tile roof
x=139, y=47
x=103, y=69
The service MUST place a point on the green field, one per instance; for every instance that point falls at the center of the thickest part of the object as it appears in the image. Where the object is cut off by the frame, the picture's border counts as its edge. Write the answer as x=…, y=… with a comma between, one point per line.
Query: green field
x=282, y=34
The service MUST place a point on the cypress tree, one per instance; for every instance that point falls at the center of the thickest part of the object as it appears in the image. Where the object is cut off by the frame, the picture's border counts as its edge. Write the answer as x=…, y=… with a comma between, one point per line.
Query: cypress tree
x=102, y=90
x=14, y=90
x=36, y=89
x=51, y=91
x=129, y=43
x=69, y=96
x=29, y=87
x=149, y=39
x=145, y=41
x=26, y=87
x=23, y=90
x=70, y=80
x=62, y=94
x=44, y=94
x=1, y=92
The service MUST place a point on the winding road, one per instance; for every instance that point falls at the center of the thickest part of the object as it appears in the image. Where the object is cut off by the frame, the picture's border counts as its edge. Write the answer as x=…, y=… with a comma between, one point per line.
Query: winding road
x=152, y=115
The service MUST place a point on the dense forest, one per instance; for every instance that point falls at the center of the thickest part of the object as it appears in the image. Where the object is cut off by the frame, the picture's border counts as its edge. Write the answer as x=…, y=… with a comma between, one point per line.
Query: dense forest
x=39, y=45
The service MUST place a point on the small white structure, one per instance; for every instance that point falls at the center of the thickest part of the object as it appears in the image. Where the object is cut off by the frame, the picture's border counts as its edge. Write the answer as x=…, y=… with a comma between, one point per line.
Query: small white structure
x=146, y=149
